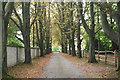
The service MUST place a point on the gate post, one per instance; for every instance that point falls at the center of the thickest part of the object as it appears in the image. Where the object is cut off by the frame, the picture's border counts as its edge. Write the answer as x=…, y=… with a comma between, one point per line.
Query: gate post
x=105, y=57
x=115, y=55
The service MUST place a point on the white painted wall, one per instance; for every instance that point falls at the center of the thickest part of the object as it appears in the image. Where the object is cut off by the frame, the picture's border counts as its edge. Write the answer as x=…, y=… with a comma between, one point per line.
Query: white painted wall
x=17, y=55
x=11, y=56
x=21, y=55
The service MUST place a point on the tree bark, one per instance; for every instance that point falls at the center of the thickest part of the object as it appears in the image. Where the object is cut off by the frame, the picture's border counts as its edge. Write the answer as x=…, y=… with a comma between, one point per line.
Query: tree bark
x=26, y=39
x=33, y=36
x=48, y=32
x=41, y=38
x=73, y=44
x=92, y=36
x=63, y=34
x=62, y=43
x=79, y=41
x=6, y=16
x=26, y=30
x=92, y=48
x=78, y=35
x=65, y=43
x=69, y=46
x=51, y=45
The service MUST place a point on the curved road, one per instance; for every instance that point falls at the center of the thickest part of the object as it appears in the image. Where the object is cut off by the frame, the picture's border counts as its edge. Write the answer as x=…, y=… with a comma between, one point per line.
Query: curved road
x=60, y=67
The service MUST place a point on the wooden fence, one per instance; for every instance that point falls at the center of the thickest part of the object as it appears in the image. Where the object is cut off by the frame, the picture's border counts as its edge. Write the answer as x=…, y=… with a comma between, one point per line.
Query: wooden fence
x=112, y=58
x=106, y=57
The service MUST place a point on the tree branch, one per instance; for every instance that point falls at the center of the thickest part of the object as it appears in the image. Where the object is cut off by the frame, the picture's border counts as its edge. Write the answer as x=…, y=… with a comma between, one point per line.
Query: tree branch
x=110, y=11
x=19, y=39
x=34, y=18
x=98, y=30
x=110, y=33
x=18, y=18
x=33, y=21
x=4, y=4
x=8, y=10
x=59, y=27
x=83, y=20
x=15, y=23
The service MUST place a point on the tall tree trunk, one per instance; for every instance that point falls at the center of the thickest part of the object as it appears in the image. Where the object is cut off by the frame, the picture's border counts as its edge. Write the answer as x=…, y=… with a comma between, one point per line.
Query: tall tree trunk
x=26, y=38
x=73, y=44
x=48, y=32
x=6, y=16
x=69, y=46
x=65, y=43
x=98, y=31
x=79, y=41
x=92, y=48
x=92, y=36
x=47, y=42
x=73, y=31
x=78, y=36
x=62, y=43
x=49, y=26
x=33, y=36
x=44, y=31
x=4, y=64
x=62, y=33
x=41, y=38
x=51, y=45
x=69, y=26
x=26, y=31
x=4, y=48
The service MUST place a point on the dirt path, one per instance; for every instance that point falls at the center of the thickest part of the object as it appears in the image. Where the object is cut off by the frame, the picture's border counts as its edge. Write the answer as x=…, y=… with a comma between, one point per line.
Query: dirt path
x=60, y=67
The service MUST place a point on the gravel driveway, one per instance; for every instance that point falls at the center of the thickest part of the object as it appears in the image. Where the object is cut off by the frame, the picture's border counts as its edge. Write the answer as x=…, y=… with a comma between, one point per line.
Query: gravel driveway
x=60, y=67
